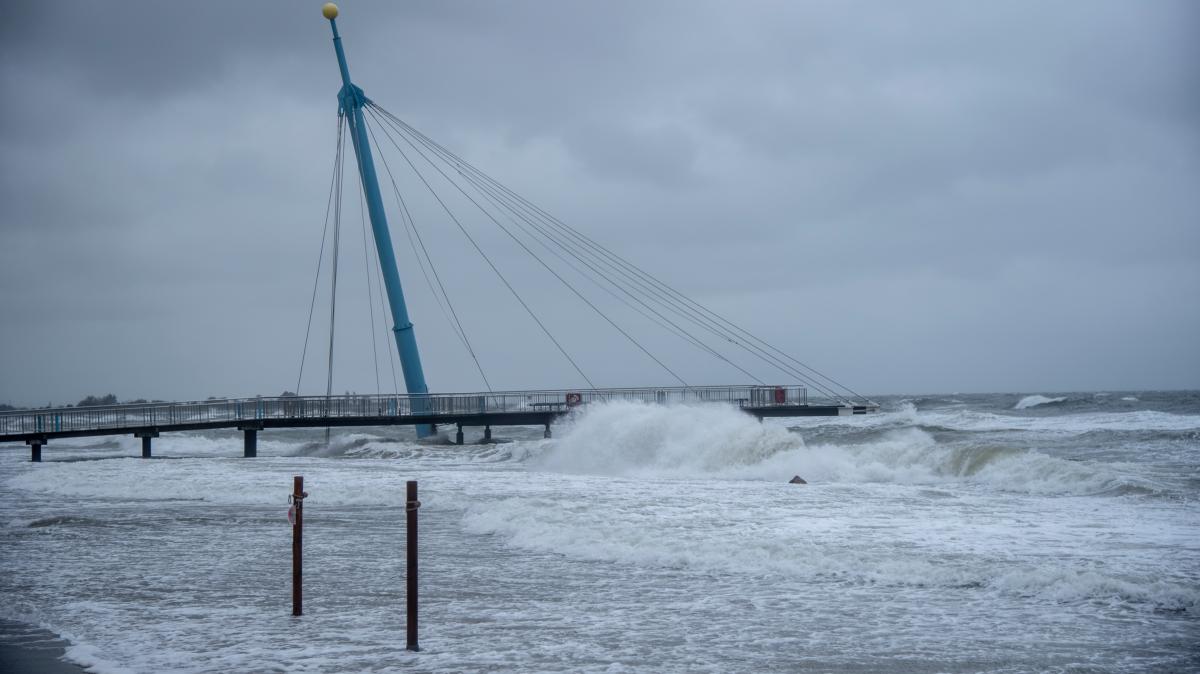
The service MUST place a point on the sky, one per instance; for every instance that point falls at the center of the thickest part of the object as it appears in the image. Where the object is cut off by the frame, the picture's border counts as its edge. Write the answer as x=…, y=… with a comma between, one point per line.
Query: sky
x=910, y=197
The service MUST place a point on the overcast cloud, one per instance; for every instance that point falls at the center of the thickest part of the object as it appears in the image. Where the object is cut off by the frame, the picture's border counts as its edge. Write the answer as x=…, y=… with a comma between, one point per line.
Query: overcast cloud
x=913, y=197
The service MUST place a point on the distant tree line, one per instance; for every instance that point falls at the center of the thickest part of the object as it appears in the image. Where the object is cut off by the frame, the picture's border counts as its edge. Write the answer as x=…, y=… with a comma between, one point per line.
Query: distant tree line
x=111, y=399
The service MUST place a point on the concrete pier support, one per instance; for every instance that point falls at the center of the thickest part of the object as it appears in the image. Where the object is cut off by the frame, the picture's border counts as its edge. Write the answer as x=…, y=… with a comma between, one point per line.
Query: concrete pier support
x=146, y=442
x=487, y=433
x=35, y=451
x=458, y=437
x=250, y=430
x=547, y=433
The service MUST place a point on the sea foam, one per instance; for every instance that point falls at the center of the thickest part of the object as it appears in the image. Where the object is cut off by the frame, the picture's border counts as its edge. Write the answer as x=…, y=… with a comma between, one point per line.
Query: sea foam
x=717, y=442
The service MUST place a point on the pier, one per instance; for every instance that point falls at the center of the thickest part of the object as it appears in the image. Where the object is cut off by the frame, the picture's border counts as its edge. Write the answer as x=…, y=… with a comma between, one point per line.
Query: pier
x=37, y=428
x=569, y=256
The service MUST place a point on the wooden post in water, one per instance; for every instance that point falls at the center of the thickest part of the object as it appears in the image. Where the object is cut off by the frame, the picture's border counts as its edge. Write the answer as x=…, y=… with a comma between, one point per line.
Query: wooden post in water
x=410, y=507
x=297, y=499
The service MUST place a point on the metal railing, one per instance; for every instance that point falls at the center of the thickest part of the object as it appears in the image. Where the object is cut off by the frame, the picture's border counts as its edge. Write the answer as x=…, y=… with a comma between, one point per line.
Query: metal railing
x=152, y=415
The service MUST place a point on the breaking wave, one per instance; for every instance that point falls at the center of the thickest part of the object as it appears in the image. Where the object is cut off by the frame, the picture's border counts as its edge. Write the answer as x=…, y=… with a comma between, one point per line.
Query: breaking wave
x=1037, y=401
x=699, y=442
x=678, y=441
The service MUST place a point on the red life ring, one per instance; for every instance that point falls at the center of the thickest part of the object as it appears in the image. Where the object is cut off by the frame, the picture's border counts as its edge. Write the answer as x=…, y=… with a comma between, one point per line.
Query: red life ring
x=573, y=399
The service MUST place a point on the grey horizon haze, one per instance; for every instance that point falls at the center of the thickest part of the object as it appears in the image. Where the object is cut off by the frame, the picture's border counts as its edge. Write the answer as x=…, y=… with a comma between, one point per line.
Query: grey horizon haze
x=912, y=197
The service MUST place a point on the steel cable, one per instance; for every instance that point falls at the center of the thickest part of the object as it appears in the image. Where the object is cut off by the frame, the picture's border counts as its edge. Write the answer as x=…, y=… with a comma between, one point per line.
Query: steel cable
x=542, y=262
x=337, y=160
x=677, y=301
x=496, y=270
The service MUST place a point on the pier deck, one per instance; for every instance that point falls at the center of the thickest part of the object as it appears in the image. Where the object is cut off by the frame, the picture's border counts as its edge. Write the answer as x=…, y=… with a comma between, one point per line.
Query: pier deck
x=511, y=408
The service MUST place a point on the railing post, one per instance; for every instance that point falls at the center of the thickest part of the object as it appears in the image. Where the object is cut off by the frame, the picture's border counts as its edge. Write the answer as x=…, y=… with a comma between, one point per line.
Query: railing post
x=297, y=517
x=411, y=506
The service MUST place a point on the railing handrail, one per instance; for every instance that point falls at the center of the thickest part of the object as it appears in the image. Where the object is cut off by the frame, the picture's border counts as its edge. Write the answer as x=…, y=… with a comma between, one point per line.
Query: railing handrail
x=230, y=411
x=389, y=396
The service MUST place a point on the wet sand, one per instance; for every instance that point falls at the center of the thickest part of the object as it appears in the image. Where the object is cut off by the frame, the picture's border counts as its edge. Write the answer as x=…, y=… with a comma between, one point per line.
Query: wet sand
x=28, y=649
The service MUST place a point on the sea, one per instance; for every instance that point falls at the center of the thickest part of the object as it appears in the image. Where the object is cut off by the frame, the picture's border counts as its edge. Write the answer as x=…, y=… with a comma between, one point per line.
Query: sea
x=1027, y=532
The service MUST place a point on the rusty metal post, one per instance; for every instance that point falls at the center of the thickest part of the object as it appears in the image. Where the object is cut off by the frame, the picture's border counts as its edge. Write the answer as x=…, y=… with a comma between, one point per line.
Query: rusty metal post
x=297, y=499
x=410, y=507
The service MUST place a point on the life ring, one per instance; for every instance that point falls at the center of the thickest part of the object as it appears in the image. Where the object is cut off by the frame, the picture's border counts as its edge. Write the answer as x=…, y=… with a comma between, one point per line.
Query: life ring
x=573, y=399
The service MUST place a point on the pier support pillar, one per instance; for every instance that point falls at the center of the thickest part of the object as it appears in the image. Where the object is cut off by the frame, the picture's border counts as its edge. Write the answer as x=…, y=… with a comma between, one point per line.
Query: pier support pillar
x=35, y=451
x=547, y=433
x=458, y=437
x=145, y=436
x=487, y=433
x=250, y=429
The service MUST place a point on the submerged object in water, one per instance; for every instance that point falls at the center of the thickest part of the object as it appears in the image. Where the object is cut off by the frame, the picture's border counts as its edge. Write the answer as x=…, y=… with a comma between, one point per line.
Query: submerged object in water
x=796, y=479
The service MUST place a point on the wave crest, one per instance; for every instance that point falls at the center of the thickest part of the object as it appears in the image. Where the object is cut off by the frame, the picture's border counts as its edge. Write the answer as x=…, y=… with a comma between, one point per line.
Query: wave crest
x=719, y=442
x=1037, y=401
x=626, y=438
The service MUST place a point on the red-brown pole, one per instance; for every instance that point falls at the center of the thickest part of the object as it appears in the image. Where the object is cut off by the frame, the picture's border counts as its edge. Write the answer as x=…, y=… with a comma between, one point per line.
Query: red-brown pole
x=410, y=508
x=298, y=495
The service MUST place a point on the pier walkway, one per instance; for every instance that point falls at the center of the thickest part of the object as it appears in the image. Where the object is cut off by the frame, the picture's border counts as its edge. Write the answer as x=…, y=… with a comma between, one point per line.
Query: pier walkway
x=511, y=408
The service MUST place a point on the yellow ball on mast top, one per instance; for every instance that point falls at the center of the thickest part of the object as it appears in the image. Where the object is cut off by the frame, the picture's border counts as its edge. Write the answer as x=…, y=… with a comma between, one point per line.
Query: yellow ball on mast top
x=329, y=11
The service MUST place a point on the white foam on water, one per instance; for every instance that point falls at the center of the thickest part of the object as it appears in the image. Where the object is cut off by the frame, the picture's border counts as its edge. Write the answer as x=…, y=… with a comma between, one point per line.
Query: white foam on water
x=1064, y=584
x=260, y=481
x=1036, y=400
x=823, y=534
x=90, y=657
x=678, y=521
x=980, y=421
x=651, y=441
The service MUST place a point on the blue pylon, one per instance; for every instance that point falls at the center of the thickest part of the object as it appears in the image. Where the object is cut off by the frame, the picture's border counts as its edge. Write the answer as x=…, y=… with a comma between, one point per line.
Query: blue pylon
x=350, y=103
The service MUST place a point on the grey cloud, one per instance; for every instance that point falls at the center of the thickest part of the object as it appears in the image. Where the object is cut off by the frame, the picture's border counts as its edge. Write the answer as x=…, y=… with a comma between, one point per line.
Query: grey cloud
x=919, y=196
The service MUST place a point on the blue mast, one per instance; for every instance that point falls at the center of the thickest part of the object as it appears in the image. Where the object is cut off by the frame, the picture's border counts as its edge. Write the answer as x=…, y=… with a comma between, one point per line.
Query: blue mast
x=350, y=103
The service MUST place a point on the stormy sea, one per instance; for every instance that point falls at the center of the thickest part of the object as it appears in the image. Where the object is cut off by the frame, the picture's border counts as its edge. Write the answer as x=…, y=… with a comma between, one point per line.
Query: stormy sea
x=1030, y=532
